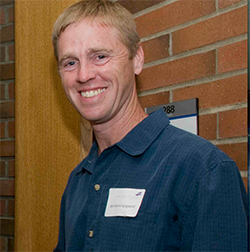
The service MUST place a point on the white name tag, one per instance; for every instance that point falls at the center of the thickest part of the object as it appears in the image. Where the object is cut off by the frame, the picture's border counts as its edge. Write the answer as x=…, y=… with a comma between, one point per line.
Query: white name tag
x=124, y=202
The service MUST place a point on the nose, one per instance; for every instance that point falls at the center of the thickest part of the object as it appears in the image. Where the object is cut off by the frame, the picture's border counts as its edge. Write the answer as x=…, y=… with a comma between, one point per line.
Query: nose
x=85, y=73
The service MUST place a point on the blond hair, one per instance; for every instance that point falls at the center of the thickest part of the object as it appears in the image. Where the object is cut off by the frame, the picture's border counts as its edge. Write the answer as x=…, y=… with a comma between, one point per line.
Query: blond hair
x=107, y=13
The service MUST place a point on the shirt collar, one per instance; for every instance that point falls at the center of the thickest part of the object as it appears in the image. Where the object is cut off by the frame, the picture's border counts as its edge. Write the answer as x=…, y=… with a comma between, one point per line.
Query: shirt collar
x=88, y=163
x=135, y=142
x=143, y=135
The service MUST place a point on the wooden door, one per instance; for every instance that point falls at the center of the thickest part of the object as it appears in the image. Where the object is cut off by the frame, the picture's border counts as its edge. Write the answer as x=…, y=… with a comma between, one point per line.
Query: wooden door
x=48, y=129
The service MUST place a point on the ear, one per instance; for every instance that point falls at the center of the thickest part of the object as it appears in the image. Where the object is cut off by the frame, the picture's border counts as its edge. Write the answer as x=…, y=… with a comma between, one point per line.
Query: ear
x=138, y=60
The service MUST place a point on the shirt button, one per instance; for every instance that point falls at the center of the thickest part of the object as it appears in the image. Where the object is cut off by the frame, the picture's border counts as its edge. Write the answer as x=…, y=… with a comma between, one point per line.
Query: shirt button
x=91, y=233
x=97, y=187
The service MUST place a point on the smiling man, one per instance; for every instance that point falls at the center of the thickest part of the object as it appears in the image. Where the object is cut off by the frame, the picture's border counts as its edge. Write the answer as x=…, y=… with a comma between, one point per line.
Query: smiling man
x=145, y=185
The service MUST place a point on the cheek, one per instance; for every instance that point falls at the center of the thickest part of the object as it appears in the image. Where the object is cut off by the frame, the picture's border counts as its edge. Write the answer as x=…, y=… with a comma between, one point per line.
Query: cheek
x=122, y=72
x=66, y=87
x=64, y=83
x=66, y=80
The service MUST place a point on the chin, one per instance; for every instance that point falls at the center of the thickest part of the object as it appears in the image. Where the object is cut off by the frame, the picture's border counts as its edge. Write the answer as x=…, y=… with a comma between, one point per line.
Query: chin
x=92, y=117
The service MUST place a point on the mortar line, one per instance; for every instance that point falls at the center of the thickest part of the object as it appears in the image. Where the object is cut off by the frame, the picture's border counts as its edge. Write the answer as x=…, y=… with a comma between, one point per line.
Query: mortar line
x=199, y=50
x=223, y=108
x=216, y=5
x=153, y=8
x=217, y=126
x=244, y=174
x=193, y=82
x=233, y=140
x=197, y=20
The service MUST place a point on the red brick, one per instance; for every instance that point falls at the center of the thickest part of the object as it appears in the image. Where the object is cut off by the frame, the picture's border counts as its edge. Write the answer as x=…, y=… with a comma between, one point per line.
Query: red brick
x=2, y=91
x=135, y=6
x=2, y=54
x=2, y=207
x=11, y=129
x=181, y=70
x=2, y=16
x=11, y=207
x=222, y=92
x=224, y=26
x=7, y=71
x=12, y=91
x=7, y=33
x=154, y=99
x=2, y=163
x=7, y=148
x=11, y=50
x=2, y=172
x=238, y=152
x=172, y=15
x=7, y=110
x=5, y=2
x=232, y=57
x=225, y=3
x=208, y=126
x=233, y=123
x=7, y=187
x=6, y=227
x=156, y=49
x=11, y=15
x=2, y=168
x=2, y=129
x=11, y=168
x=2, y=245
x=10, y=245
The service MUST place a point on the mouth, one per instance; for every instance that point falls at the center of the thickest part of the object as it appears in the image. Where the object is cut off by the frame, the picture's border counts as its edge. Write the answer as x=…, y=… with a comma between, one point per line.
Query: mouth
x=92, y=93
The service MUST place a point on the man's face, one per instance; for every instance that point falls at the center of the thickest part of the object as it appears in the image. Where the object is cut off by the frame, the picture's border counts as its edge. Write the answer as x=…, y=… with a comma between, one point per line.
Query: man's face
x=96, y=72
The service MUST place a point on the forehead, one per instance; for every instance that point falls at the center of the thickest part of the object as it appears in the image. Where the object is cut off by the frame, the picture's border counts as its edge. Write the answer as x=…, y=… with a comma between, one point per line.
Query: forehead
x=87, y=34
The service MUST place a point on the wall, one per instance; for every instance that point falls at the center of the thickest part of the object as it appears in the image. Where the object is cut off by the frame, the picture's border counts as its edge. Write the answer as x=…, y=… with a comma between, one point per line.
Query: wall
x=198, y=48
x=193, y=49
x=7, y=125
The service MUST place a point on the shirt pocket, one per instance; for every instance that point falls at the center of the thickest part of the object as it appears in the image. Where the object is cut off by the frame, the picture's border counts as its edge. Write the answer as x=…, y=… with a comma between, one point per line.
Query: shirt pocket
x=130, y=233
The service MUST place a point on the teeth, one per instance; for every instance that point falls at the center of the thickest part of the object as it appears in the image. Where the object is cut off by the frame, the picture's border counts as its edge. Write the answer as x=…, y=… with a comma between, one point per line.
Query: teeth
x=92, y=93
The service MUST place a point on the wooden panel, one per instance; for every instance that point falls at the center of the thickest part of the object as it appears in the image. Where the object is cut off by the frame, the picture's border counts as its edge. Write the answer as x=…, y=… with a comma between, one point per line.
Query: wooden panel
x=48, y=129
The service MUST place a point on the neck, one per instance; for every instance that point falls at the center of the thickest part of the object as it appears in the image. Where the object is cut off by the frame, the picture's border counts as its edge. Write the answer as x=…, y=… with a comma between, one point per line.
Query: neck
x=113, y=131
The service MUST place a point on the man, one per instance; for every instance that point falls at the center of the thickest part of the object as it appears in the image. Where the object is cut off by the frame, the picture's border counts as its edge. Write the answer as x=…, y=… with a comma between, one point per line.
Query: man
x=145, y=185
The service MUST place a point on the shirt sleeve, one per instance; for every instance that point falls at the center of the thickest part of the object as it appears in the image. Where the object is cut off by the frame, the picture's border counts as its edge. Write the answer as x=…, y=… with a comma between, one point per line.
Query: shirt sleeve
x=217, y=218
x=61, y=237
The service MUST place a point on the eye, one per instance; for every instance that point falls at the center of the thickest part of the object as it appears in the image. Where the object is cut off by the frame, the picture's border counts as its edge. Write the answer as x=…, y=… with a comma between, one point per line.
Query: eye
x=68, y=65
x=100, y=59
x=71, y=63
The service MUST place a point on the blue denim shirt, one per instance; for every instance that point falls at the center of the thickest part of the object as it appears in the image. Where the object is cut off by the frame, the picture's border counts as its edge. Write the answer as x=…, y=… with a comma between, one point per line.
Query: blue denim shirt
x=195, y=199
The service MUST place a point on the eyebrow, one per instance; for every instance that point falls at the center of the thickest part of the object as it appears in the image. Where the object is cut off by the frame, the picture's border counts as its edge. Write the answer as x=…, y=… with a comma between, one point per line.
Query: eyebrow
x=66, y=56
x=90, y=51
x=100, y=49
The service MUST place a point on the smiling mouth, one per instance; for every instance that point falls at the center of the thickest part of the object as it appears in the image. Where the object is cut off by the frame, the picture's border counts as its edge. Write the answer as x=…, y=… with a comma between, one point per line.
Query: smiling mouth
x=92, y=93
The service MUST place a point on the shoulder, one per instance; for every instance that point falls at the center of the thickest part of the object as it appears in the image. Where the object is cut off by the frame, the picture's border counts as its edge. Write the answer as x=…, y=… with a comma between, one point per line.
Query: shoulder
x=189, y=150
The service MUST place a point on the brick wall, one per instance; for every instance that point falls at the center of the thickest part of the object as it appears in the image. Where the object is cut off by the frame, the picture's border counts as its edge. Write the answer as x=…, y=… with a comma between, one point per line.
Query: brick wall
x=7, y=126
x=193, y=48
x=198, y=48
